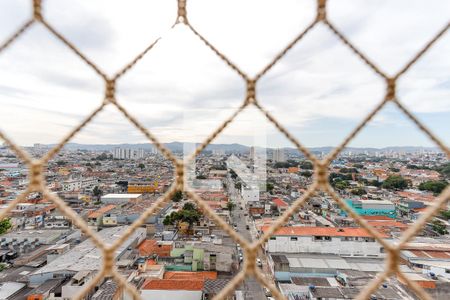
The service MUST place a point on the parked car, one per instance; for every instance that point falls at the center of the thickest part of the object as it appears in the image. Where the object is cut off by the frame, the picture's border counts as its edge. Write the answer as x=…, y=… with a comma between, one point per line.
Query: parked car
x=259, y=262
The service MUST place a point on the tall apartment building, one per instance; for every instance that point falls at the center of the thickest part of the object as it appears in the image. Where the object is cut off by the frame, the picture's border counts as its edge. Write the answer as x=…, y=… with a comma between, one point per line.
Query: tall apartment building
x=279, y=155
x=252, y=153
x=127, y=153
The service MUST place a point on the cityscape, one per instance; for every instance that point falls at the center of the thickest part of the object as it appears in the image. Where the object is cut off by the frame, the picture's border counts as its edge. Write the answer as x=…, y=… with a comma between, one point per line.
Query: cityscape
x=224, y=150
x=320, y=253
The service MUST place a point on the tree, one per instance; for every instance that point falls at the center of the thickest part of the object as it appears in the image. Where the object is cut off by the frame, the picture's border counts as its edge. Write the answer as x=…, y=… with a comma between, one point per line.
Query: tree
x=435, y=186
x=444, y=170
x=5, y=225
x=168, y=219
x=102, y=156
x=97, y=192
x=395, y=182
x=230, y=205
x=439, y=226
x=60, y=163
x=348, y=170
x=306, y=174
x=306, y=165
x=341, y=184
x=141, y=166
x=238, y=185
x=2, y=267
x=446, y=214
x=340, y=176
x=201, y=177
x=374, y=183
x=417, y=167
x=189, y=206
x=269, y=187
x=177, y=196
x=359, y=191
x=189, y=214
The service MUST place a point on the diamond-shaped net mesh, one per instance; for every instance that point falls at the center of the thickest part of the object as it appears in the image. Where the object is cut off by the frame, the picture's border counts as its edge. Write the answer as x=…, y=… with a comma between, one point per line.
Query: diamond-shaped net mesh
x=321, y=182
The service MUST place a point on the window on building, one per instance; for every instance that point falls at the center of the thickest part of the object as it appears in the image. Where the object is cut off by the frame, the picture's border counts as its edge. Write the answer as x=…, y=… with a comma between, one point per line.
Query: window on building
x=294, y=238
x=273, y=238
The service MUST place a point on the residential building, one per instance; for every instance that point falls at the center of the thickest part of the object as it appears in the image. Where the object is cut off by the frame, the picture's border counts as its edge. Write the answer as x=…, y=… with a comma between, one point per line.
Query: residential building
x=347, y=241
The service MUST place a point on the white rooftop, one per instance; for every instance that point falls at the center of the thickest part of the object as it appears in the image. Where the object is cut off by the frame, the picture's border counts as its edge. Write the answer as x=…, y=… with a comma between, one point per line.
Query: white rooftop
x=122, y=196
x=376, y=201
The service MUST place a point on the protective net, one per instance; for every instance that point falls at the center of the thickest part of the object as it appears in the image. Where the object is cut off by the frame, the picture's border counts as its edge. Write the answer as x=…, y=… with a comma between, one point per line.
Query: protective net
x=321, y=182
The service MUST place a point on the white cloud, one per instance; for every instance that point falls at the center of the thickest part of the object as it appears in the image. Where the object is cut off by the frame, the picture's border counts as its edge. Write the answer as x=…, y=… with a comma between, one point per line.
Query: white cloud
x=45, y=89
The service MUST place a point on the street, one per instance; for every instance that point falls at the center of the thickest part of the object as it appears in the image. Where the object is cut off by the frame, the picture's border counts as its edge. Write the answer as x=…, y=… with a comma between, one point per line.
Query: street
x=251, y=287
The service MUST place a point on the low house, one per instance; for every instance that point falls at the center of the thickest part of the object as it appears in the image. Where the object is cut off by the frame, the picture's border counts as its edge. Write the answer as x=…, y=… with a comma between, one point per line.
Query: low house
x=169, y=289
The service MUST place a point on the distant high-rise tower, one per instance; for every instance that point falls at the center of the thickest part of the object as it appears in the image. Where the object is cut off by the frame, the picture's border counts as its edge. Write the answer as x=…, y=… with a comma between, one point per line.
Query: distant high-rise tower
x=127, y=153
x=252, y=153
x=218, y=152
x=279, y=155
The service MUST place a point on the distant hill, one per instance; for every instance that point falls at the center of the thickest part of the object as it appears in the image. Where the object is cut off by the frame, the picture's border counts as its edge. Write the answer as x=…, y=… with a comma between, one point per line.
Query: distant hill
x=236, y=148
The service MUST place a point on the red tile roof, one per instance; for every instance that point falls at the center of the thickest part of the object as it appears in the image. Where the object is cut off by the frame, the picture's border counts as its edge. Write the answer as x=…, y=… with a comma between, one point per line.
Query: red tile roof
x=417, y=196
x=430, y=254
x=377, y=218
x=280, y=203
x=99, y=212
x=321, y=231
x=392, y=224
x=149, y=247
x=182, y=275
x=173, y=284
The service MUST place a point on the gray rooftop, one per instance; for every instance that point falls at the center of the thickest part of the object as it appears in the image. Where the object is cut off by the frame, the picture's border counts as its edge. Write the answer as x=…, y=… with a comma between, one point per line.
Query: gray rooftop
x=327, y=292
x=316, y=281
x=214, y=286
x=106, y=291
x=8, y=289
x=43, y=234
x=47, y=286
x=86, y=256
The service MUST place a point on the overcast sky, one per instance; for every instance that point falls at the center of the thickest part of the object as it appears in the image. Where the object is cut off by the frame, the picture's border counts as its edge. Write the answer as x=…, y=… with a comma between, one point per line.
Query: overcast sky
x=181, y=90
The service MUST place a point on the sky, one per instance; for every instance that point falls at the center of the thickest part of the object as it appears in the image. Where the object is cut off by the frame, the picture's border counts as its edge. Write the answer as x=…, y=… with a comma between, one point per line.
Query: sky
x=181, y=91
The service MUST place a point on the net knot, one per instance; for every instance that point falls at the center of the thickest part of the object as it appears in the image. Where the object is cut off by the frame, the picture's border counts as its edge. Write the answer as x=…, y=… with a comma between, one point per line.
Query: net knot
x=250, y=259
x=391, y=88
x=182, y=13
x=321, y=171
x=179, y=171
x=108, y=259
x=110, y=90
x=36, y=175
x=37, y=10
x=321, y=10
x=393, y=260
x=251, y=91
